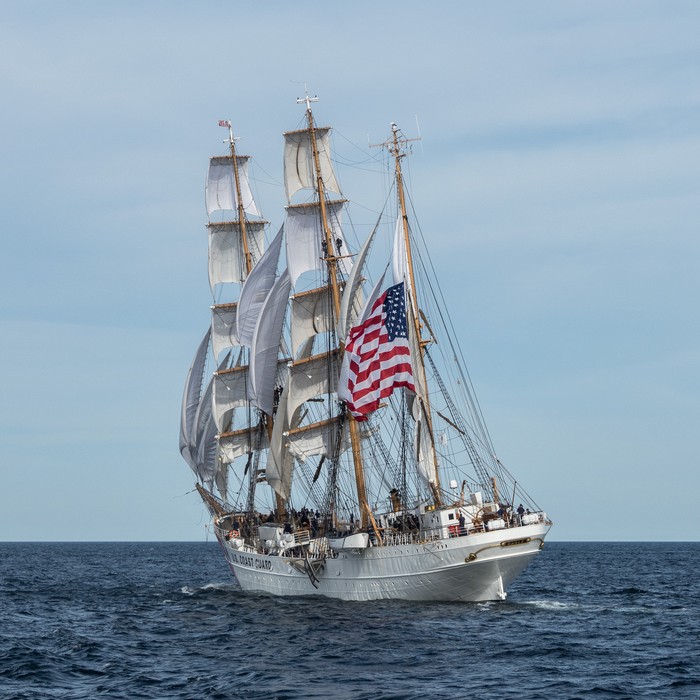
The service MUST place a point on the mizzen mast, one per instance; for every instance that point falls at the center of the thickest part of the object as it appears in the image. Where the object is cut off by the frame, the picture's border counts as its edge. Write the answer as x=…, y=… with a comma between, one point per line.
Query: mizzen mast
x=239, y=199
x=395, y=148
x=234, y=248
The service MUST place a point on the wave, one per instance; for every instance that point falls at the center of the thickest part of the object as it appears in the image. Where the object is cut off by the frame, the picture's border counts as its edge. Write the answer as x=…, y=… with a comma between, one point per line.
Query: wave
x=208, y=587
x=551, y=605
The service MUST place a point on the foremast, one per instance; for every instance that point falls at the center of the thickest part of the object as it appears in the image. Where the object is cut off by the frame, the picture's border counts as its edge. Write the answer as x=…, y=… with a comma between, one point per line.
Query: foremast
x=332, y=265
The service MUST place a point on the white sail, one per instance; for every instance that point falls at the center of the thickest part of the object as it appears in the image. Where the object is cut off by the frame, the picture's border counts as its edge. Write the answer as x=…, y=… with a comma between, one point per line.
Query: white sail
x=207, y=466
x=305, y=236
x=220, y=189
x=266, y=344
x=221, y=479
x=299, y=161
x=255, y=291
x=240, y=442
x=202, y=439
x=319, y=438
x=223, y=327
x=280, y=463
x=190, y=400
x=310, y=315
x=230, y=392
x=279, y=472
x=227, y=261
x=311, y=377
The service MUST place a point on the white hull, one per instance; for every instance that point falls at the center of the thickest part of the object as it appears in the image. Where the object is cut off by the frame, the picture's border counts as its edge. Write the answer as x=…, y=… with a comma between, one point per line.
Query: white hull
x=477, y=567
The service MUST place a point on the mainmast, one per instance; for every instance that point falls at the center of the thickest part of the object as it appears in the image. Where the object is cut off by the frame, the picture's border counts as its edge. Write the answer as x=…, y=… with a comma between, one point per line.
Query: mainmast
x=331, y=259
x=395, y=149
x=332, y=263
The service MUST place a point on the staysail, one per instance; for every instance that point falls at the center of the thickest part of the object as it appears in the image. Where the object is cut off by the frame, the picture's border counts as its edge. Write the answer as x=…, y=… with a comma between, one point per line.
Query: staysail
x=265, y=348
x=256, y=289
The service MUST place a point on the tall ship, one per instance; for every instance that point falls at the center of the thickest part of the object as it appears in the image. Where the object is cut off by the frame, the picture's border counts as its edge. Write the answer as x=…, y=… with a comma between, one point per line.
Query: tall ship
x=327, y=415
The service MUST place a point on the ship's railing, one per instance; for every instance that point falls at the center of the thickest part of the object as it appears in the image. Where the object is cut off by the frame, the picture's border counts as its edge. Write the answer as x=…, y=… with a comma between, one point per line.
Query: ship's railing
x=489, y=525
x=391, y=538
x=223, y=532
x=302, y=537
x=302, y=545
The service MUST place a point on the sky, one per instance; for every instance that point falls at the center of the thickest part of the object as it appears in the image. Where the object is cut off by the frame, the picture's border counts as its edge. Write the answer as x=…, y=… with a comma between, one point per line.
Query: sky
x=558, y=174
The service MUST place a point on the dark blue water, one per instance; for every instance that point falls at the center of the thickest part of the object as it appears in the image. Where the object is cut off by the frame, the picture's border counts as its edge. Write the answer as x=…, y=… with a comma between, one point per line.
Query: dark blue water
x=614, y=620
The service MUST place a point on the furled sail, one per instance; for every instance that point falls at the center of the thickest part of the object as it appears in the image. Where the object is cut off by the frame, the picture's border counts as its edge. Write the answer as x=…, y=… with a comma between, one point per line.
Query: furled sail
x=425, y=450
x=299, y=172
x=255, y=291
x=227, y=261
x=305, y=238
x=423, y=439
x=220, y=189
x=399, y=258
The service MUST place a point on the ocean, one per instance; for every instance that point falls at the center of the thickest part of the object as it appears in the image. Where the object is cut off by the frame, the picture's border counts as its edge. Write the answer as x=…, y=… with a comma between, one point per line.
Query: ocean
x=167, y=620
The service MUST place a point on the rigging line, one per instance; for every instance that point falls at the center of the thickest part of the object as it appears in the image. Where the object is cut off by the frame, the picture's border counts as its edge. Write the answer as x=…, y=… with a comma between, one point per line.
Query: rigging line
x=273, y=178
x=313, y=493
x=377, y=445
x=520, y=489
x=401, y=437
x=467, y=383
x=379, y=214
x=473, y=452
x=367, y=154
x=473, y=400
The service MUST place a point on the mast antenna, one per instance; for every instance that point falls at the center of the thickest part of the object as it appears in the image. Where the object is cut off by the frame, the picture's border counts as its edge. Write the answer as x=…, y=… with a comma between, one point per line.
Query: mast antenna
x=231, y=139
x=392, y=143
x=308, y=100
x=419, y=134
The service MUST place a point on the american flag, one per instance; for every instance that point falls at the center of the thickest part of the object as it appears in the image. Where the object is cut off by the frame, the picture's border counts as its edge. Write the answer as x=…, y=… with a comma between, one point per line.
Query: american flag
x=377, y=357
x=224, y=122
